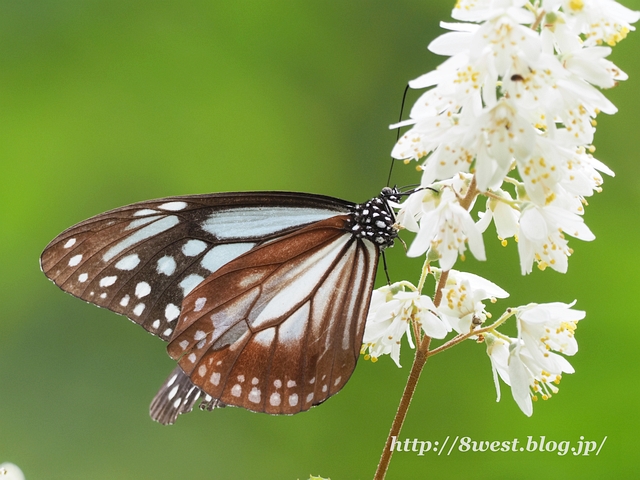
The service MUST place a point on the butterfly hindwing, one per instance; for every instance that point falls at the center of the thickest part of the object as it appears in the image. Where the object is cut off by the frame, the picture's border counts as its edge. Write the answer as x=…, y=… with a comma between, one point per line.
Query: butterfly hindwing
x=143, y=259
x=279, y=329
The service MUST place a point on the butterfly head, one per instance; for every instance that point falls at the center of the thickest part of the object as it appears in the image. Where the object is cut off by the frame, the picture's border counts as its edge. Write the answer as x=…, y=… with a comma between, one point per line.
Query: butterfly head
x=374, y=220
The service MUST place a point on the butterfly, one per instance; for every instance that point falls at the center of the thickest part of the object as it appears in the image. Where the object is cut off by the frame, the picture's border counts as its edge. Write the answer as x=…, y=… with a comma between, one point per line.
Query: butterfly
x=262, y=296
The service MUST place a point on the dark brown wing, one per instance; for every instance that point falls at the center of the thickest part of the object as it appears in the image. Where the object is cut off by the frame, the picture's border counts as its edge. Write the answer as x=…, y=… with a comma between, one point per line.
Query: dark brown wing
x=279, y=329
x=143, y=259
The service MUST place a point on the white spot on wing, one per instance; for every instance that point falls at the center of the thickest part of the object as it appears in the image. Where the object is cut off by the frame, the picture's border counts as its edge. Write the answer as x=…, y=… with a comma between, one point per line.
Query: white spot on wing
x=202, y=369
x=143, y=289
x=291, y=384
x=173, y=392
x=171, y=312
x=254, y=395
x=259, y=221
x=138, y=309
x=167, y=332
x=199, y=304
x=309, y=397
x=277, y=383
x=199, y=335
x=75, y=260
x=293, y=399
x=70, y=243
x=144, y=211
x=190, y=282
x=274, y=400
x=254, y=381
x=173, y=379
x=166, y=265
x=125, y=301
x=108, y=281
x=129, y=262
x=222, y=254
x=155, y=324
x=193, y=247
x=83, y=277
x=236, y=391
x=150, y=230
x=192, y=357
x=142, y=221
x=173, y=206
x=215, y=378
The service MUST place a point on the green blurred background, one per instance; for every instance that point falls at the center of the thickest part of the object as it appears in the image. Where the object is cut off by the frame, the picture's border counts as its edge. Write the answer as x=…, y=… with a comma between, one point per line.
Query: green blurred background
x=104, y=103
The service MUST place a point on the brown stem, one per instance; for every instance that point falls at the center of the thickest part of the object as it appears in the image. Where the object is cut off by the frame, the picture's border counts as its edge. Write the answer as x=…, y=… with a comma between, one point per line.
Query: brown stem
x=441, y=283
x=471, y=194
x=405, y=401
x=538, y=20
x=422, y=353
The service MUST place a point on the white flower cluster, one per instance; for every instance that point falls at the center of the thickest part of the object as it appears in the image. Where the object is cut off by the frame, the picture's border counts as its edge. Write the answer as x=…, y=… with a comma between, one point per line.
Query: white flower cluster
x=527, y=363
x=509, y=117
x=391, y=315
x=513, y=99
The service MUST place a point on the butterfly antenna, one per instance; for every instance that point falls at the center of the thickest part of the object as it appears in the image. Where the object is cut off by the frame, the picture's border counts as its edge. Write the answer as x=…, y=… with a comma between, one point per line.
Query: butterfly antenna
x=404, y=97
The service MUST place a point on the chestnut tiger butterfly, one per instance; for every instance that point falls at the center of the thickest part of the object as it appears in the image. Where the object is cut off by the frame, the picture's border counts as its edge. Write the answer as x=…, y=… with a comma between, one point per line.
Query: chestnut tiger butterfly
x=262, y=296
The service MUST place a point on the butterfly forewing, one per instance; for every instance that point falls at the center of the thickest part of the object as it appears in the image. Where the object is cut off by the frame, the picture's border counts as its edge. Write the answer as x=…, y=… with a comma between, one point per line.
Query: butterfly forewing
x=279, y=329
x=143, y=259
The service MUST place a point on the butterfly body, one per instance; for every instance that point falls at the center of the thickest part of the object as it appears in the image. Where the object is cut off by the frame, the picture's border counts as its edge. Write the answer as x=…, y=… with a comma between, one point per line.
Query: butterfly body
x=262, y=296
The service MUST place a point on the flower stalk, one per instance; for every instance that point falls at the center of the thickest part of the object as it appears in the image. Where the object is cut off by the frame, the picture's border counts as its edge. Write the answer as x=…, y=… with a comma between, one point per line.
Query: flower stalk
x=503, y=133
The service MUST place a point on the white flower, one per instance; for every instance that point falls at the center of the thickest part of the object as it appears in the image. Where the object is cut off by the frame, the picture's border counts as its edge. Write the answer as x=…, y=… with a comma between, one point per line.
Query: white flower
x=599, y=20
x=541, y=239
x=391, y=312
x=504, y=215
x=515, y=364
x=582, y=177
x=589, y=63
x=444, y=226
x=549, y=326
x=501, y=134
x=10, y=471
x=462, y=296
x=528, y=363
x=498, y=351
x=480, y=10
